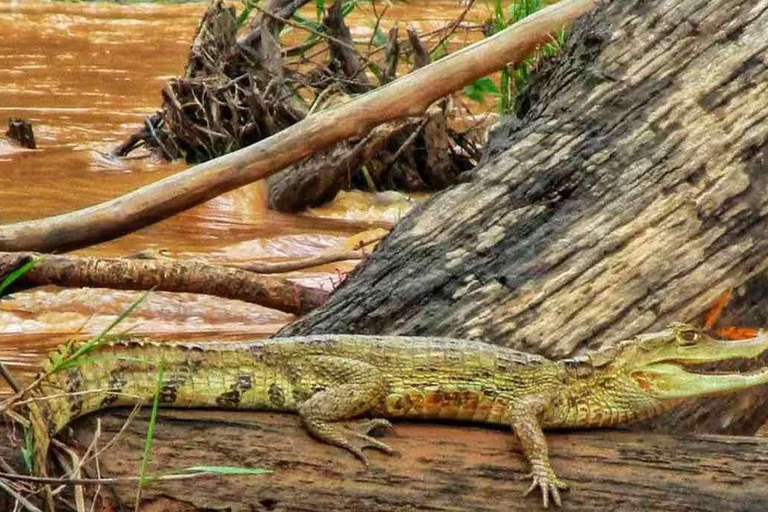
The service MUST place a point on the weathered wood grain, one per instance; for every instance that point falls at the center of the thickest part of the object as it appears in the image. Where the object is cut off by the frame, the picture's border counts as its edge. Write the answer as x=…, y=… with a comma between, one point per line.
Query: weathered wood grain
x=441, y=467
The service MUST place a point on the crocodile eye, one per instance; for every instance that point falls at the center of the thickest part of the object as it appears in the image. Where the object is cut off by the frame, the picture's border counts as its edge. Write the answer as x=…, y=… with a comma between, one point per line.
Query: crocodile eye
x=579, y=367
x=687, y=337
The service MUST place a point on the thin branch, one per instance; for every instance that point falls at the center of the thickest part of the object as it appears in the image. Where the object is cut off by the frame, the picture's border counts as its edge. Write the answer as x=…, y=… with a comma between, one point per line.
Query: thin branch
x=408, y=141
x=264, y=267
x=166, y=274
x=9, y=378
x=18, y=497
x=310, y=30
x=453, y=26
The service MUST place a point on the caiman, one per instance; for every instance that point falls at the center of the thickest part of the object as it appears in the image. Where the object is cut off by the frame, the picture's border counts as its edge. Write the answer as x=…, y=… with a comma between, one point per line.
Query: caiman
x=329, y=379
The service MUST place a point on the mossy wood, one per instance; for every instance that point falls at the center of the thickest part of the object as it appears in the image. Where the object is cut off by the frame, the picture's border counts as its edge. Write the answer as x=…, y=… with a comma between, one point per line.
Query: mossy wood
x=632, y=193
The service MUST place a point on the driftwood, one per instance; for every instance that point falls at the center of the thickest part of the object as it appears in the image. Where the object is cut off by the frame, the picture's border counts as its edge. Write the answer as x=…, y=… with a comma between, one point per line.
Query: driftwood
x=198, y=184
x=631, y=193
x=343, y=57
x=162, y=274
x=441, y=467
x=20, y=130
x=313, y=182
x=399, y=155
x=237, y=92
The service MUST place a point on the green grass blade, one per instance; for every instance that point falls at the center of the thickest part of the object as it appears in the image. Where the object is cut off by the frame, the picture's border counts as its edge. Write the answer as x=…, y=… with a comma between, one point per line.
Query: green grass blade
x=247, y=9
x=97, y=340
x=224, y=470
x=368, y=180
x=480, y=88
x=348, y=7
x=150, y=439
x=16, y=274
x=28, y=450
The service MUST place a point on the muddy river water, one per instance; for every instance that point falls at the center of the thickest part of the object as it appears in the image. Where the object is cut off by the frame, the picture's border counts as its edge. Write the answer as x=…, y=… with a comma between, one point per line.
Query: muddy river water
x=86, y=75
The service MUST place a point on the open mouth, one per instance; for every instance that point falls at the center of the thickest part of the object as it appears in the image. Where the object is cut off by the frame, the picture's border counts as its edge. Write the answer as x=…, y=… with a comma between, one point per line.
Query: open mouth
x=736, y=365
x=705, y=366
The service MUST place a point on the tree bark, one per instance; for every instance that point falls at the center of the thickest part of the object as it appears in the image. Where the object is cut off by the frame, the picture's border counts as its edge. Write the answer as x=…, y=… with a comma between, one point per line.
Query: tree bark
x=441, y=467
x=630, y=195
x=163, y=274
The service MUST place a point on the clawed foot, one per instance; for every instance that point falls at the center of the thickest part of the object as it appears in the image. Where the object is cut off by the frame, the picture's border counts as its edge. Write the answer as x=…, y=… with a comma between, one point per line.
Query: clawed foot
x=549, y=484
x=354, y=439
x=361, y=439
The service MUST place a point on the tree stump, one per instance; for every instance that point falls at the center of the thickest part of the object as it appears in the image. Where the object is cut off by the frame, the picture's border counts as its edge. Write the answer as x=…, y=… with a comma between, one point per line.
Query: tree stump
x=20, y=130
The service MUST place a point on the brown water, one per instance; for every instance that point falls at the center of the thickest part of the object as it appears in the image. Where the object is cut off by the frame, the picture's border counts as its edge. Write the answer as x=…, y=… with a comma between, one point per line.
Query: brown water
x=86, y=75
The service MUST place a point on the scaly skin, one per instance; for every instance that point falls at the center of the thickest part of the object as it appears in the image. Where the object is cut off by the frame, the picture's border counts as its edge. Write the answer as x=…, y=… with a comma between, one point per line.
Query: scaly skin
x=328, y=379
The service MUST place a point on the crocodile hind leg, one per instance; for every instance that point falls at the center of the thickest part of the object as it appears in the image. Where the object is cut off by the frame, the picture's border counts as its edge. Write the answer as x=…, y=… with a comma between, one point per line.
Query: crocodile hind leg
x=346, y=389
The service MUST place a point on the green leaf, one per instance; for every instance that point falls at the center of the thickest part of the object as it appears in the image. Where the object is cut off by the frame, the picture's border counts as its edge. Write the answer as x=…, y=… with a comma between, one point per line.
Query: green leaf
x=224, y=470
x=301, y=20
x=150, y=439
x=320, y=8
x=247, y=9
x=379, y=37
x=478, y=89
x=348, y=7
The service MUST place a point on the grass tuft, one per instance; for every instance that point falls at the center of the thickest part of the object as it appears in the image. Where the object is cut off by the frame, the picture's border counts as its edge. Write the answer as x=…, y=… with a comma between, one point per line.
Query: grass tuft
x=150, y=439
x=512, y=78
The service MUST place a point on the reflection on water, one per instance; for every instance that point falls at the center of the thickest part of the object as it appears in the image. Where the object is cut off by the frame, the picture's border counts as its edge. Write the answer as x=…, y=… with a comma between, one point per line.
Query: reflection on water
x=86, y=75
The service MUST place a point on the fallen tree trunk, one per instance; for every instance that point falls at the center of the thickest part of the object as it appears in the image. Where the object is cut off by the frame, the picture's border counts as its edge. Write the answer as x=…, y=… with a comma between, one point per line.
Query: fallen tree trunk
x=164, y=274
x=441, y=467
x=196, y=185
x=629, y=196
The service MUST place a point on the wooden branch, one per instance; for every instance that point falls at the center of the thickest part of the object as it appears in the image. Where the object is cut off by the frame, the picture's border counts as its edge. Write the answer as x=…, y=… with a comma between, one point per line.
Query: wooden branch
x=441, y=467
x=345, y=56
x=408, y=96
x=316, y=180
x=421, y=57
x=392, y=56
x=164, y=274
x=281, y=267
x=331, y=256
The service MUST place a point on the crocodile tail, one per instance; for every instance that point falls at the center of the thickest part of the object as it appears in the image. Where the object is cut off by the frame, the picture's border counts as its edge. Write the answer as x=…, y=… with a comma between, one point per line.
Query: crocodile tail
x=49, y=409
x=41, y=439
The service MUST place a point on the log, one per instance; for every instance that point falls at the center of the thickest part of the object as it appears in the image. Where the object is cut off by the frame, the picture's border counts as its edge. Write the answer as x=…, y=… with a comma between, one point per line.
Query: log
x=441, y=467
x=164, y=274
x=200, y=183
x=629, y=194
x=317, y=180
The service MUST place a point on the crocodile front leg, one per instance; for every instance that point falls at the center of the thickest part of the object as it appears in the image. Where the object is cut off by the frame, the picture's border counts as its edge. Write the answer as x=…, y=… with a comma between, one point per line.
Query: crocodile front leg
x=525, y=423
x=347, y=389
